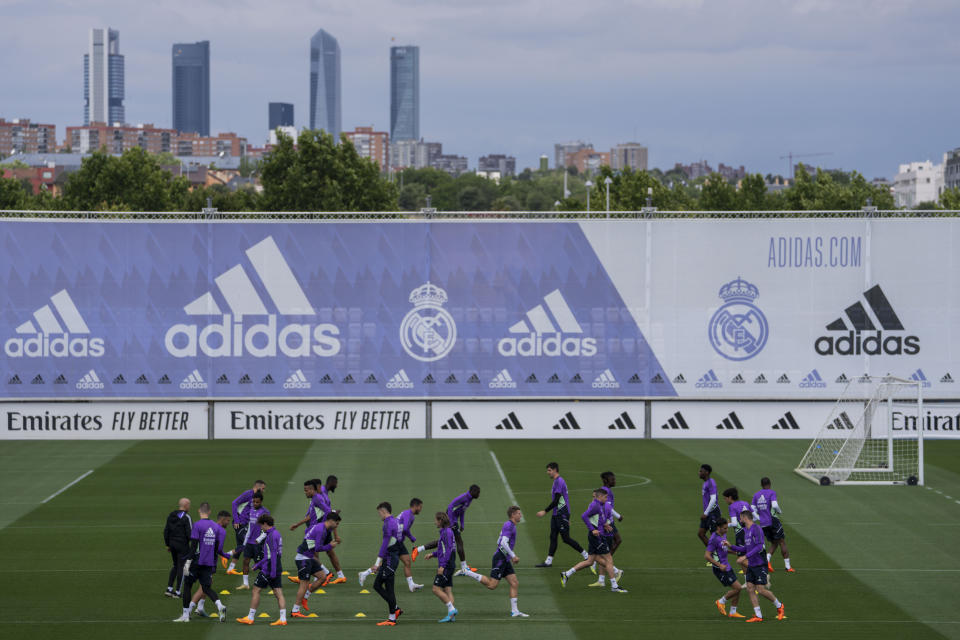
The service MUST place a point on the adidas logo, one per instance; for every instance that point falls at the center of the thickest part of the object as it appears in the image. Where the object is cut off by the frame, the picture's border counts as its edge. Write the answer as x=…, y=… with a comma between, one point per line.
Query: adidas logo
x=451, y=379
x=61, y=379
x=164, y=379
x=864, y=379
x=786, y=423
x=709, y=380
x=37, y=379
x=738, y=379
x=348, y=379
x=473, y=379
x=634, y=379
x=605, y=381
x=297, y=381
x=14, y=380
x=623, y=422
x=429, y=379
x=142, y=379
x=502, y=381
x=119, y=380
x=233, y=338
x=783, y=379
x=679, y=379
x=245, y=379
x=223, y=379
x=326, y=379
x=576, y=379
x=946, y=379
x=919, y=377
x=532, y=379
x=400, y=381
x=193, y=381
x=71, y=337
x=675, y=422
x=90, y=381
x=566, y=423
x=510, y=423
x=657, y=379
x=553, y=379
x=455, y=423
x=841, y=423
x=370, y=379
x=842, y=379
x=873, y=344
x=813, y=381
x=267, y=379
x=548, y=334
x=760, y=379
x=731, y=422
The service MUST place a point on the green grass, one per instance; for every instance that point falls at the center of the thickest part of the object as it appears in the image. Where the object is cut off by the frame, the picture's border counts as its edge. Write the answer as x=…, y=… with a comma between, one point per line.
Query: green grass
x=873, y=562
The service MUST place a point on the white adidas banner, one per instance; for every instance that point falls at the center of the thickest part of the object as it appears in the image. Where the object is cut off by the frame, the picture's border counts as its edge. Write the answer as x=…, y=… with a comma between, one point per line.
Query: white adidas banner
x=103, y=421
x=738, y=420
x=319, y=420
x=542, y=420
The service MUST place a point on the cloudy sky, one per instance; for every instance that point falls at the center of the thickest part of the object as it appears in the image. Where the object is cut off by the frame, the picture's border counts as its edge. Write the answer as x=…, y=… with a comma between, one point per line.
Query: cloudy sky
x=872, y=82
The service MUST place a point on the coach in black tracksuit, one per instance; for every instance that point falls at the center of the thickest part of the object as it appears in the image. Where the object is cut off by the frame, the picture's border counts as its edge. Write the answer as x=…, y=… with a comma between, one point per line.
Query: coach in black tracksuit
x=176, y=535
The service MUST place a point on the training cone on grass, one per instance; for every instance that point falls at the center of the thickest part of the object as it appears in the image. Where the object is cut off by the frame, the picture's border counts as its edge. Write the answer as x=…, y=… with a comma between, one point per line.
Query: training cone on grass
x=264, y=615
x=270, y=593
x=285, y=573
x=320, y=591
x=360, y=615
x=364, y=591
x=224, y=593
x=313, y=615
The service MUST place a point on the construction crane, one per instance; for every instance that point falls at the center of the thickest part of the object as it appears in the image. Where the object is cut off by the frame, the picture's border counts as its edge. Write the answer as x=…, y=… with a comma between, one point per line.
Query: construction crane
x=791, y=155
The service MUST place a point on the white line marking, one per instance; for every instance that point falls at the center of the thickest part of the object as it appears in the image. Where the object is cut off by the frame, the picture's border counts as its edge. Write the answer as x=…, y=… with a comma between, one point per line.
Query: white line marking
x=66, y=487
x=506, y=485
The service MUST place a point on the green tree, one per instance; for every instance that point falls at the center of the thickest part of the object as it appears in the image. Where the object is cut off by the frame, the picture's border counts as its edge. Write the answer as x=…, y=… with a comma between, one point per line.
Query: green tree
x=133, y=182
x=753, y=193
x=718, y=194
x=950, y=199
x=319, y=175
x=13, y=195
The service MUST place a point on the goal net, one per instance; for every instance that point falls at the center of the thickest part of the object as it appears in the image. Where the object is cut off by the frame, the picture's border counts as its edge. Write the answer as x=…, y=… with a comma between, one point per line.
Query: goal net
x=873, y=435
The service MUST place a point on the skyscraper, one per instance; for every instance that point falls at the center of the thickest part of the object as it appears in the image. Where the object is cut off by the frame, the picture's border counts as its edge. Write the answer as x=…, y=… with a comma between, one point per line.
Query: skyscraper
x=103, y=78
x=191, y=87
x=405, y=93
x=325, y=83
x=280, y=115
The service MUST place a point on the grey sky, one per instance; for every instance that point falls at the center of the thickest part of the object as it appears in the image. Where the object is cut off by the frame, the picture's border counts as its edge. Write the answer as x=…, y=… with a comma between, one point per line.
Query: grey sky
x=733, y=81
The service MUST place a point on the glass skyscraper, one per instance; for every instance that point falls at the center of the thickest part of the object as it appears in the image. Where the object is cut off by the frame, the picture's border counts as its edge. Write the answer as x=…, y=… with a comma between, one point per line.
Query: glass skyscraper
x=404, y=93
x=280, y=114
x=191, y=87
x=325, y=83
x=103, y=78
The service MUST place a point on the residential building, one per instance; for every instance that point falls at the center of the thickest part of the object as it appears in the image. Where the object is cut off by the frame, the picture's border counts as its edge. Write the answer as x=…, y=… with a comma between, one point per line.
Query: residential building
x=917, y=182
x=587, y=160
x=452, y=164
x=730, y=173
x=273, y=136
x=280, y=115
x=405, y=93
x=403, y=154
x=628, y=155
x=428, y=154
x=562, y=150
x=325, y=83
x=222, y=144
x=371, y=144
x=951, y=169
x=22, y=136
x=49, y=177
x=191, y=87
x=118, y=139
x=504, y=165
x=103, y=90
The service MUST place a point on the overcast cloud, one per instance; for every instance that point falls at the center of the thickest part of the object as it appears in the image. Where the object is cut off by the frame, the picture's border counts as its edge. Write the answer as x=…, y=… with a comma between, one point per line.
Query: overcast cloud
x=733, y=81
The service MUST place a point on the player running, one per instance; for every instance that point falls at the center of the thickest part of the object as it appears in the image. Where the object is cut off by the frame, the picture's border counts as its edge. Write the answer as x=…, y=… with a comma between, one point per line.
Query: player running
x=456, y=512
x=443, y=582
x=251, y=544
x=766, y=507
x=716, y=554
x=598, y=550
x=405, y=522
x=271, y=572
x=611, y=532
x=711, y=509
x=386, y=565
x=206, y=543
x=736, y=506
x=318, y=538
x=503, y=560
x=241, y=520
x=560, y=519
x=756, y=566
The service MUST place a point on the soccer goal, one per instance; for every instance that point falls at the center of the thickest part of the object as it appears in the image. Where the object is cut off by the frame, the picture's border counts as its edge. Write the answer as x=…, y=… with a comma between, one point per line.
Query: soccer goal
x=873, y=435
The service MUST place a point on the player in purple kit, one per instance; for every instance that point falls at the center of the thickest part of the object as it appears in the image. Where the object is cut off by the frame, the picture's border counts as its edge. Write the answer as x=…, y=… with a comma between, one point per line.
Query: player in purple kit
x=609, y=480
x=503, y=560
x=271, y=571
x=404, y=525
x=443, y=582
x=560, y=519
x=598, y=550
x=456, y=512
x=319, y=537
x=241, y=520
x=206, y=543
x=386, y=565
x=736, y=506
x=766, y=507
x=711, y=509
x=716, y=555
x=755, y=562
x=251, y=544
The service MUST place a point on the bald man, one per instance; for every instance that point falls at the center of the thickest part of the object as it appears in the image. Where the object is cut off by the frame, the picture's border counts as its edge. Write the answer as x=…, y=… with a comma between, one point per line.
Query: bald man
x=176, y=536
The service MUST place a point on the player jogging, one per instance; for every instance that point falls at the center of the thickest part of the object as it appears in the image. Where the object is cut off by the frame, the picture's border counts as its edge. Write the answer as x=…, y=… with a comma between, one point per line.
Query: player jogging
x=503, y=560
x=206, y=543
x=324, y=491
x=766, y=507
x=251, y=544
x=456, y=512
x=443, y=582
x=612, y=534
x=597, y=546
x=270, y=572
x=404, y=526
x=318, y=538
x=711, y=509
x=736, y=506
x=716, y=554
x=755, y=563
x=560, y=519
x=386, y=565
x=241, y=520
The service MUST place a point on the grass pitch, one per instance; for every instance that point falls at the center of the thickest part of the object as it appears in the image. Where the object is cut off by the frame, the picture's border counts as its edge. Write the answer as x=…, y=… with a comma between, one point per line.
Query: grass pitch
x=872, y=562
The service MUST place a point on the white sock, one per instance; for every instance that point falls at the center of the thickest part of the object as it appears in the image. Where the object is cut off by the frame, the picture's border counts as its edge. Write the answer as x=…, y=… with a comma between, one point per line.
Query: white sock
x=364, y=574
x=421, y=549
x=569, y=572
x=786, y=562
x=602, y=579
x=246, y=580
x=283, y=614
x=393, y=616
x=513, y=606
x=594, y=566
x=722, y=600
x=777, y=603
x=769, y=556
x=233, y=565
x=464, y=566
x=410, y=582
x=450, y=607
x=473, y=574
x=169, y=589
x=186, y=611
x=220, y=606
x=296, y=608
x=757, y=612
x=199, y=605
x=615, y=570
x=584, y=554
x=613, y=583
x=733, y=609
x=252, y=614
x=323, y=568
x=549, y=560
x=306, y=594
x=340, y=574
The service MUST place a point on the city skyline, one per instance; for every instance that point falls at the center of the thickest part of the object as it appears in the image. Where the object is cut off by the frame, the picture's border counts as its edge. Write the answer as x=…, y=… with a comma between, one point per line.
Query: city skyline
x=702, y=81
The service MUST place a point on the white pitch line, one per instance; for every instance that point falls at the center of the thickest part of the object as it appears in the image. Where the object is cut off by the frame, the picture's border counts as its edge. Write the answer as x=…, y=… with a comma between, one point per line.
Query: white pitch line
x=49, y=498
x=503, y=477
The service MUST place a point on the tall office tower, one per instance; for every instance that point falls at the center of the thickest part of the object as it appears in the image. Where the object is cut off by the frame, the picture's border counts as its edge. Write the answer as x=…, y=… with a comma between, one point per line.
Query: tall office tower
x=191, y=87
x=103, y=78
x=404, y=93
x=280, y=114
x=325, y=83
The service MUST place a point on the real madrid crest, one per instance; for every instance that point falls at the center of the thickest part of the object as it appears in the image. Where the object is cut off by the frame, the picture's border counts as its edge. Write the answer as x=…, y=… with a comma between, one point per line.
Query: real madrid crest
x=428, y=331
x=738, y=330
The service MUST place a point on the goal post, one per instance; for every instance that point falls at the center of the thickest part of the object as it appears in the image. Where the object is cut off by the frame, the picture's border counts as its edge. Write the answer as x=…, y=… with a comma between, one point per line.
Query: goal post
x=873, y=435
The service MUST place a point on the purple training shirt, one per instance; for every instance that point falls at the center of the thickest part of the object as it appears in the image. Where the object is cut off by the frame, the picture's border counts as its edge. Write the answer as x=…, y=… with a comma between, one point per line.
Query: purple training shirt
x=763, y=502
x=209, y=536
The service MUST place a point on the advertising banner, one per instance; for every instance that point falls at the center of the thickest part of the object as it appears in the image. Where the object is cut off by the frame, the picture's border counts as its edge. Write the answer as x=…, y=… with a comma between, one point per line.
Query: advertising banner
x=738, y=420
x=103, y=421
x=553, y=420
x=316, y=420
